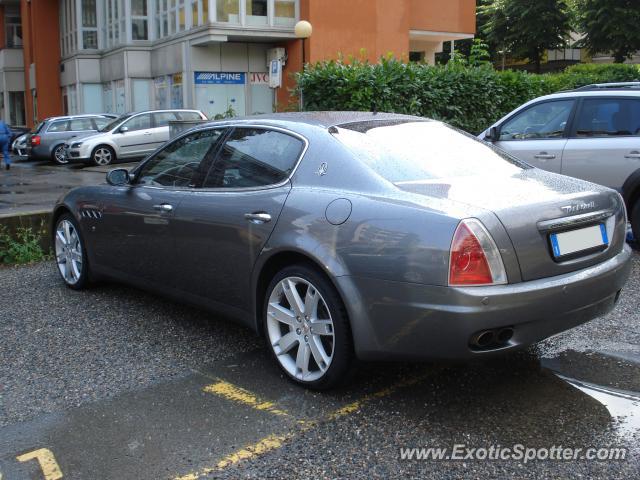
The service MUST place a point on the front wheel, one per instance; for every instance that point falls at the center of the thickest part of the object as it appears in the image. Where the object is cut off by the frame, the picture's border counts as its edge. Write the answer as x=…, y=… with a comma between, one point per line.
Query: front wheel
x=58, y=155
x=71, y=256
x=307, y=328
x=103, y=155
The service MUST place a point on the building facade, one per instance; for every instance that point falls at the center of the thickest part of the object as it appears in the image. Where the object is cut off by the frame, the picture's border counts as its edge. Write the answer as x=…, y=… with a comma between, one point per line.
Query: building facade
x=88, y=56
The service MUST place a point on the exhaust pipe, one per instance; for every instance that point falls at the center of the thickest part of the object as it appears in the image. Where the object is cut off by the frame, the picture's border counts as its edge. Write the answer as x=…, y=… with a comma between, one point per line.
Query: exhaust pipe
x=483, y=339
x=505, y=335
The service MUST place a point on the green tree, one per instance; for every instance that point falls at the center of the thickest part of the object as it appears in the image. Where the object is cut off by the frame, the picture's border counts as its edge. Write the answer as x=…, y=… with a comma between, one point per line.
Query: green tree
x=610, y=26
x=526, y=28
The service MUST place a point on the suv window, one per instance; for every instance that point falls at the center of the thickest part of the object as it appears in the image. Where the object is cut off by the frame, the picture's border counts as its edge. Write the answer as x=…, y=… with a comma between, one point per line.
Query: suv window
x=179, y=163
x=80, y=124
x=605, y=117
x=254, y=157
x=189, y=116
x=162, y=119
x=60, y=126
x=543, y=120
x=139, y=122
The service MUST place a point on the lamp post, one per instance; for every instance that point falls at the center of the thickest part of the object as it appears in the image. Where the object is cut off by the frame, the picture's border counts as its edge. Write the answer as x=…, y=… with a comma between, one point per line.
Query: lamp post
x=303, y=30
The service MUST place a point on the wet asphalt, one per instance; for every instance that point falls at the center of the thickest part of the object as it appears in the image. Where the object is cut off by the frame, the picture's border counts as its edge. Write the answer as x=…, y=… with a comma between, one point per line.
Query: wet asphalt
x=114, y=383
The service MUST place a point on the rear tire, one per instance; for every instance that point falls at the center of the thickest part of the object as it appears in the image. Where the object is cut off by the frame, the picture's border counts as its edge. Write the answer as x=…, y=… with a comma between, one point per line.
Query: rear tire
x=635, y=221
x=310, y=341
x=103, y=155
x=58, y=155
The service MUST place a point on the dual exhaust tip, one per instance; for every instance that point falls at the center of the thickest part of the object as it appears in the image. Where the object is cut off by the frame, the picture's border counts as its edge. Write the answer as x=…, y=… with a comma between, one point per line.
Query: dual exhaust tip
x=490, y=339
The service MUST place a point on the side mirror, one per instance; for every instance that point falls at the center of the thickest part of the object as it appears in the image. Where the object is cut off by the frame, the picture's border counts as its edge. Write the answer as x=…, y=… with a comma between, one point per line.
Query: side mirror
x=124, y=129
x=118, y=177
x=493, y=135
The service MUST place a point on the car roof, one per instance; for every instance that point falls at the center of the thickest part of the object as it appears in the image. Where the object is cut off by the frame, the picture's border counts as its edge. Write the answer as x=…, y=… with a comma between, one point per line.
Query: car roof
x=599, y=92
x=72, y=117
x=163, y=110
x=318, y=119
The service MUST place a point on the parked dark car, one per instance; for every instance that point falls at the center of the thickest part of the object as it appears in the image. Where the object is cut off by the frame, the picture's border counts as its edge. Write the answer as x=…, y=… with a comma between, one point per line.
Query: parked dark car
x=353, y=235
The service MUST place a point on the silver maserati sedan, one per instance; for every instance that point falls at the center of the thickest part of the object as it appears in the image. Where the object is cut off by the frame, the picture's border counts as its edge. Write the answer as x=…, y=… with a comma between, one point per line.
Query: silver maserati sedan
x=341, y=236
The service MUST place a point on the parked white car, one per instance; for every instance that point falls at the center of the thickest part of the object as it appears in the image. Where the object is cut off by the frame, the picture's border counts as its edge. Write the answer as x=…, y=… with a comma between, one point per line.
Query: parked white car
x=133, y=135
x=591, y=133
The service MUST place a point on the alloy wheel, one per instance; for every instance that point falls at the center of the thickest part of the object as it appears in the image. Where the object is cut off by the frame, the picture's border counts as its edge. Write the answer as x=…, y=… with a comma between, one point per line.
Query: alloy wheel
x=68, y=252
x=102, y=156
x=58, y=155
x=300, y=329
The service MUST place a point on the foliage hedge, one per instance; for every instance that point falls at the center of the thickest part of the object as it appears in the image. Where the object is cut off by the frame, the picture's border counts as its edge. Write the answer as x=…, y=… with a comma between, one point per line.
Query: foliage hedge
x=471, y=98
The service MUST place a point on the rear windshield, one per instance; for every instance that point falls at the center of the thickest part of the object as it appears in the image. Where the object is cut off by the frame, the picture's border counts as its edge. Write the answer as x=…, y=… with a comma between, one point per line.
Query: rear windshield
x=401, y=151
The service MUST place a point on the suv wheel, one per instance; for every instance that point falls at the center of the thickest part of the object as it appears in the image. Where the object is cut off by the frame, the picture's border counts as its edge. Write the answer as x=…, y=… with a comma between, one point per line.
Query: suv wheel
x=306, y=327
x=103, y=155
x=58, y=155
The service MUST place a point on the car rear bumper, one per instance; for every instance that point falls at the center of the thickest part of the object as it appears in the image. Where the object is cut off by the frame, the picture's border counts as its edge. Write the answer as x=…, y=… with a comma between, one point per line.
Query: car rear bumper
x=395, y=320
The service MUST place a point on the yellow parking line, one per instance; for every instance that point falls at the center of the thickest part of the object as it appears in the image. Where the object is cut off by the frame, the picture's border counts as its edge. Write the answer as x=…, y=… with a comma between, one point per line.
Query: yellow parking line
x=237, y=394
x=47, y=461
x=274, y=442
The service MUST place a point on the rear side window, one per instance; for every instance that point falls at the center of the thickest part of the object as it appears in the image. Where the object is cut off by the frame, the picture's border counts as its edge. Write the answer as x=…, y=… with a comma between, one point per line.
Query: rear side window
x=608, y=117
x=189, y=116
x=80, y=124
x=254, y=157
x=102, y=122
x=404, y=152
x=162, y=119
x=58, y=126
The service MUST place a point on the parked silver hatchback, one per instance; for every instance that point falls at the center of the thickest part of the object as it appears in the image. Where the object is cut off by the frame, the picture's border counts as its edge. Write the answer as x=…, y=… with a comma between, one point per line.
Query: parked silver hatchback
x=592, y=133
x=46, y=141
x=133, y=135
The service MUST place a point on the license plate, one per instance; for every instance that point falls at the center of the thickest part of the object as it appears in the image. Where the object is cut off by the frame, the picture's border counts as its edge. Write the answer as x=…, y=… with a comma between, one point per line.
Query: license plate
x=581, y=240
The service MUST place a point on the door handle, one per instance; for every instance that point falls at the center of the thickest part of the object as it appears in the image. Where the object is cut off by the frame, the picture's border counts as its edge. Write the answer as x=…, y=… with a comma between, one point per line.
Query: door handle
x=163, y=207
x=634, y=154
x=148, y=133
x=258, y=217
x=544, y=156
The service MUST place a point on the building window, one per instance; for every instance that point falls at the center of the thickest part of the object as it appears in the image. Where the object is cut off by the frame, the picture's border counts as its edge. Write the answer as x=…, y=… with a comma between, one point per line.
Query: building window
x=70, y=100
x=167, y=90
x=16, y=108
x=284, y=13
x=162, y=18
x=12, y=26
x=199, y=12
x=228, y=11
x=107, y=97
x=141, y=91
x=114, y=32
x=92, y=98
x=139, y=20
x=257, y=12
x=89, y=24
x=68, y=27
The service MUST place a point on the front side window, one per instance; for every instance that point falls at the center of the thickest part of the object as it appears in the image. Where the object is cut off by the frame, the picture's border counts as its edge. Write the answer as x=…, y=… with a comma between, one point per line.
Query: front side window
x=541, y=121
x=607, y=117
x=179, y=164
x=253, y=157
x=139, y=122
x=58, y=126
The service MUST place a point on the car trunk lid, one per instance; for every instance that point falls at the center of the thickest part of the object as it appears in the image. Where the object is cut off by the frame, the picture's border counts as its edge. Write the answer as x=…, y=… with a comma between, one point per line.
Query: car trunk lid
x=533, y=205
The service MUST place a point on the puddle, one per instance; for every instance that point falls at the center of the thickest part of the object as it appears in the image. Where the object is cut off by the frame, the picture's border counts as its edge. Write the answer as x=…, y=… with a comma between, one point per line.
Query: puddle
x=623, y=406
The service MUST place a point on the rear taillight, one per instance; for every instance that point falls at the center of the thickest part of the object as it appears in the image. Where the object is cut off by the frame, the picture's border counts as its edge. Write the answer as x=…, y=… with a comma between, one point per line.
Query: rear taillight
x=35, y=140
x=474, y=258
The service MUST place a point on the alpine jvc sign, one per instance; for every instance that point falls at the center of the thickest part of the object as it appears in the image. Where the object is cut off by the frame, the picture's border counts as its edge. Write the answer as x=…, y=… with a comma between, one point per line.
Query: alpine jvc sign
x=219, y=78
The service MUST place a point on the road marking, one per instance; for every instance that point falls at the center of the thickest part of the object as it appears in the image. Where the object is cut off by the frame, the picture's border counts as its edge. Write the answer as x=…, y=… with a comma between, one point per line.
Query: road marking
x=237, y=394
x=47, y=461
x=274, y=442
